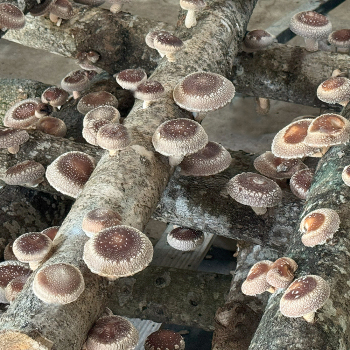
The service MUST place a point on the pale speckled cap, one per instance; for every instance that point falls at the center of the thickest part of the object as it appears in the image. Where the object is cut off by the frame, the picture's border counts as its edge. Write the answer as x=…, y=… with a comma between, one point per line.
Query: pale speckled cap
x=149, y=39
x=69, y=172
x=305, y=295
x=166, y=42
x=27, y=172
x=109, y=113
x=22, y=114
x=185, y=239
x=112, y=332
x=96, y=99
x=281, y=272
x=130, y=79
x=211, y=159
x=11, y=17
x=257, y=39
x=164, y=339
x=12, y=139
x=118, y=251
x=334, y=90
x=255, y=282
x=203, y=92
x=55, y=96
x=58, y=283
x=149, y=90
x=113, y=137
x=319, y=226
x=91, y=129
x=300, y=183
x=340, y=38
x=76, y=80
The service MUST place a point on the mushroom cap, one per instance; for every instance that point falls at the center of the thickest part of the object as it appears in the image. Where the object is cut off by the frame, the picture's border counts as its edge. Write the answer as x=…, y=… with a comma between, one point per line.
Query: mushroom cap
x=166, y=42
x=118, y=251
x=340, y=38
x=96, y=99
x=43, y=110
x=327, y=130
x=22, y=114
x=289, y=142
x=99, y=219
x=310, y=24
x=276, y=167
x=185, y=239
x=15, y=286
x=112, y=332
x=54, y=96
x=42, y=9
x=203, y=92
x=32, y=247
x=255, y=282
x=76, y=80
x=211, y=159
x=149, y=90
x=281, y=272
x=12, y=137
x=300, y=183
x=179, y=137
x=334, y=90
x=109, y=113
x=319, y=226
x=27, y=172
x=51, y=232
x=192, y=5
x=130, y=79
x=8, y=252
x=69, y=172
x=91, y=129
x=254, y=190
x=58, y=283
x=164, y=339
x=345, y=175
x=11, y=17
x=52, y=126
x=305, y=295
x=62, y=9
x=113, y=137
x=258, y=39
x=149, y=39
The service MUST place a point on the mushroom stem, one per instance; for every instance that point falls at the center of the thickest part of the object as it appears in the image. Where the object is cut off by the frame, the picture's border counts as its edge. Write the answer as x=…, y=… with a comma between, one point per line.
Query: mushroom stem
x=146, y=104
x=190, y=20
x=34, y=265
x=310, y=317
x=344, y=103
x=259, y=210
x=311, y=44
x=175, y=160
x=13, y=150
x=113, y=152
x=263, y=105
x=272, y=290
x=53, y=18
x=170, y=56
x=76, y=94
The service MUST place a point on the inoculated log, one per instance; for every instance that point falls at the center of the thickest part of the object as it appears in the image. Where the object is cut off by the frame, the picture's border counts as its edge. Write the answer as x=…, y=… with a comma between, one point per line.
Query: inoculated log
x=286, y=73
x=330, y=261
x=131, y=182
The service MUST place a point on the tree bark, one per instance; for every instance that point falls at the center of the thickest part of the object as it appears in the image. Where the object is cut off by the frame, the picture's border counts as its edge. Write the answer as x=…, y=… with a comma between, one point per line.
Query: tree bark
x=131, y=182
x=330, y=261
x=286, y=73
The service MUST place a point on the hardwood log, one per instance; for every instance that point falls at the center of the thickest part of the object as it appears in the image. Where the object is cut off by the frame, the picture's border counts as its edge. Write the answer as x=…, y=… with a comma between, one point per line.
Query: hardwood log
x=131, y=182
x=330, y=261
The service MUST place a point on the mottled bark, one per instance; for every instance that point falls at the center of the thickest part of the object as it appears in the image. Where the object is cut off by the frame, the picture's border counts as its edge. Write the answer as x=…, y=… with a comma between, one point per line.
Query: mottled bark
x=131, y=182
x=237, y=321
x=286, y=73
x=330, y=261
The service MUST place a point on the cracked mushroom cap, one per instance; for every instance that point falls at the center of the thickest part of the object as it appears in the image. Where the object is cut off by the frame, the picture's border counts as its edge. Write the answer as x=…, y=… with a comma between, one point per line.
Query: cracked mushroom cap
x=28, y=173
x=300, y=183
x=164, y=339
x=91, y=129
x=12, y=139
x=290, y=141
x=255, y=282
x=149, y=90
x=54, y=96
x=130, y=79
x=281, y=272
x=76, y=80
x=185, y=239
x=22, y=114
x=99, y=219
x=14, y=287
x=277, y=168
x=8, y=271
x=11, y=17
x=96, y=99
x=113, y=137
x=58, y=283
x=340, y=38
x=69, y=172
x=304, y=296
x=310, y=24
x=112, y=332
x=319, y=226
x=334, y=90
x=257, y=39
x=203, y=92
x=211, y=159
x=118, y=251
x=52, y=126
x=109, y=113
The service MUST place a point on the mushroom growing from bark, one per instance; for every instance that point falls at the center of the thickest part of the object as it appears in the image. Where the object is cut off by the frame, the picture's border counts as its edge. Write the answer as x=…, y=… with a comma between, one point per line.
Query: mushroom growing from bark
x=149, y=91
x=11, y=17
x=96, y=99
x=12, y=139
x=335, y=90
x=185, y=239
x=52, y=126
x=28, y=172
x=167, y=44
x=191, y=6
x=257, y=39
x=130, y=79
x=76, y=81
x=43, y=110
x=281, y=272
x=91, y=129
x=108, y=113
x=340, y=40
x=116, y=5
x=15, y=286
x=54, y=96
x=300, y=183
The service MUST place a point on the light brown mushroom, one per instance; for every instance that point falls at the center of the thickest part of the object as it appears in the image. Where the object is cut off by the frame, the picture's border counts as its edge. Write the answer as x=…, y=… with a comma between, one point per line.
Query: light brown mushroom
x=300, y=183
x=109, y=113
x=281, y=272
x=185, y=239
x=345, y=175
x=149, y=91
x=96, y=99
x=191, y=6
x=257, y=39
x=15, y=286
x=335, y=90
x=76, y=81
x=340, y=40
x=11, y=17
x=130, y=79
x=54, y=96
x=28, y=172
x=12, y=139
x=52, y=126
x=164, y=339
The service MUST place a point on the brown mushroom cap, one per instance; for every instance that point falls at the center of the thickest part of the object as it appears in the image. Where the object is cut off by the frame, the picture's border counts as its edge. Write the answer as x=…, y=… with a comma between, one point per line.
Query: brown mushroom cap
x=11, y=17
x=113, y=137
x=69, y=172
x=58, y=284
x=14, y=287
x=203, y=92
x=51, y=232
x=257, y=39
x=96, y=99
x=91, y=129
x=149, y=39
x=300, y=183
x=22, y=114
x=340, y=38
x=99, y=219
x=118, y=251
x=319, y=226
x=334, y=90
x=130, y=79
x=112, y=332
x=277, y=168
x=255, y=282
x=167, y=44
x=109, y=113
x=55, y=96
x=254, y=190
x=164, y=339
x=8, y=252
x=304, y=296
x=28, y=173
x=12, y=139
x=62, y=9
x=52, y=126
x=281, y=272
x=191, y=6
x=185, y=239
x=149, y=90
x=211, y=159
x=76, y=80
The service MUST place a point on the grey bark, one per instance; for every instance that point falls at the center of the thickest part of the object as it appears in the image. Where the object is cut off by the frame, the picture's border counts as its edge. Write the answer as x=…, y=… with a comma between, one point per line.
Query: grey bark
x=286, y=73
x=131, y=182
x=330, y=261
